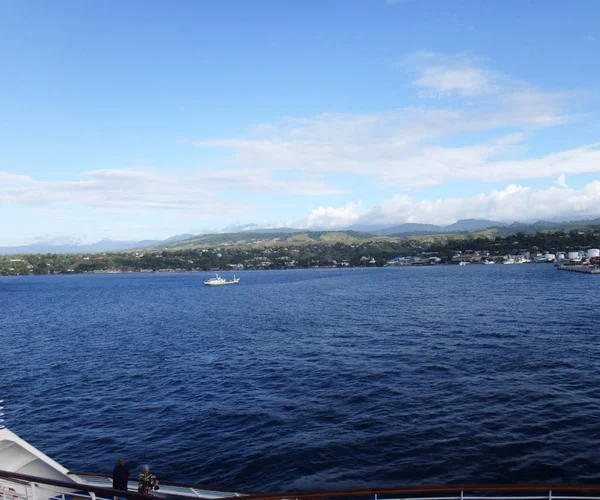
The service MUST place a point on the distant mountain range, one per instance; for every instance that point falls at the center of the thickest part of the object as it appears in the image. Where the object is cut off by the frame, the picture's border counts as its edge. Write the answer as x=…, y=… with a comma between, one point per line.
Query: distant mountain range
x=100, y=246
x=378, y=229
x=411, y=229
x=257, y=237
x=256, y=228
x=253, y=234
x=536, y=227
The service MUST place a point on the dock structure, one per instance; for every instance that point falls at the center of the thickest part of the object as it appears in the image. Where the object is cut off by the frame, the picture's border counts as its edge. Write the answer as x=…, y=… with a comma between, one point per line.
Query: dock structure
x=580, y=269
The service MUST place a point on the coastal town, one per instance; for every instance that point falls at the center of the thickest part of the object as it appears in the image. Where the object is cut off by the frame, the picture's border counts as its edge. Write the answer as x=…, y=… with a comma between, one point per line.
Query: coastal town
x=577, y=249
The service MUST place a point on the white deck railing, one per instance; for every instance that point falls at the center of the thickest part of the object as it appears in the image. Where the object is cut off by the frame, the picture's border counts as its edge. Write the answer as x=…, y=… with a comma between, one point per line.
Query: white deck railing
x=15, y=486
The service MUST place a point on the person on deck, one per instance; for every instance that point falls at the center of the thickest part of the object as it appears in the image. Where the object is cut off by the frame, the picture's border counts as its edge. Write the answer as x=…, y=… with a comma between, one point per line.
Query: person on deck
x=146, y=481
x=120, y=476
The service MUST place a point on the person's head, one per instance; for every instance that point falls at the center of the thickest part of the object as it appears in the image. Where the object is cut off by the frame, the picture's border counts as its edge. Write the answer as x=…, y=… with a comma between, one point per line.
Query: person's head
x=146, y=468
x=121, y=462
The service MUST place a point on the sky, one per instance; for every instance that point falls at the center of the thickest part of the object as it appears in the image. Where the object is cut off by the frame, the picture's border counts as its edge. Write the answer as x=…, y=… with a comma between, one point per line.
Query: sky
x=132, y=119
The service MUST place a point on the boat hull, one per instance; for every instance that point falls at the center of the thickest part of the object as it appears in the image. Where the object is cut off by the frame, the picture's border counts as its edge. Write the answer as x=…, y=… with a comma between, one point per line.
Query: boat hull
x=219, y=284
x=218, y=281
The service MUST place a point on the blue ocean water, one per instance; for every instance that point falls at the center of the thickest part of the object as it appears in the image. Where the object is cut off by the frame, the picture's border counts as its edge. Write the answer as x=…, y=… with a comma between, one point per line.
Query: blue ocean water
x=310, y=379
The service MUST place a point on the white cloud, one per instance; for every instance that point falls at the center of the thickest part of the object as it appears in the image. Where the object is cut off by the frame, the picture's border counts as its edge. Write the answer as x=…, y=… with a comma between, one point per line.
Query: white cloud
x=49, y=239
x=58, y=214
x=413, y=146
x=439, y=165
x=562, y=181
x=261, y=180
x=483, y=138
x=329, y=217
x=438, y=75
x=514, y=202
x=398, y=147
x=8, y=178
x=461, y=26
x=195, y=194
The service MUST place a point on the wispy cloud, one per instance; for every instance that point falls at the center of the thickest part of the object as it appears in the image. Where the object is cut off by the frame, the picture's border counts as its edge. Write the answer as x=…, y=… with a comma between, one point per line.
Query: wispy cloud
x=562, y=181
x=413, y=146
x=8, y=178
x=461, y=26
x=480, y=134
x=145, y=191
x=441, y=75
x=403, y=147
x=59, y=214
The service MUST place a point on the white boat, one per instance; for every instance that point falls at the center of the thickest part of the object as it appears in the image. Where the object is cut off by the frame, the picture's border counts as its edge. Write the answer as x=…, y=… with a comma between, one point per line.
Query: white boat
x=488, y=262
x=463, y=263
x=217, y=280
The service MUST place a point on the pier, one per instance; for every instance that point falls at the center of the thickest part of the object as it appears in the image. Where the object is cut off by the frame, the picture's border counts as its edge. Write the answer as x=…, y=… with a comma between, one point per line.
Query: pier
x=580, y=269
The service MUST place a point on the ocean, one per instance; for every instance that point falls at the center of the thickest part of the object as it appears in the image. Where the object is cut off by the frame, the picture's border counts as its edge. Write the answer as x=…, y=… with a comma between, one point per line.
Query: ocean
x=310, y=379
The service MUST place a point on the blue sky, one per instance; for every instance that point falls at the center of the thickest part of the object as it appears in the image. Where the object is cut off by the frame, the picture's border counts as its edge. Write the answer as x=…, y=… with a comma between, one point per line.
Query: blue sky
x=133, y=120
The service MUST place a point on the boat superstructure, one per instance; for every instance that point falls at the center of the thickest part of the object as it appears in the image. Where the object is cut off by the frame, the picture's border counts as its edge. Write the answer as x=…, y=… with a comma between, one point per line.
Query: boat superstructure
x=27, y=474
x=18, y=457
x=217, y=280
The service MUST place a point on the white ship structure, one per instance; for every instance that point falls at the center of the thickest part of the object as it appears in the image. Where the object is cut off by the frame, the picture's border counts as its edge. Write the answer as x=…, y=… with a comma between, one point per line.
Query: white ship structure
x=28, y=474
x=217, y=280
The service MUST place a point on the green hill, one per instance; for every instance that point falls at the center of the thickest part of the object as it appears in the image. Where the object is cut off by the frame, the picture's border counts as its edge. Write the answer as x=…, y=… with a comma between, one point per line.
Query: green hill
x=254, y=239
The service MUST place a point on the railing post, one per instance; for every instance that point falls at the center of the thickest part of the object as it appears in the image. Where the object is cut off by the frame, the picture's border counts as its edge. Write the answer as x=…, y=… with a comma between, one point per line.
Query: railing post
x=550, y=495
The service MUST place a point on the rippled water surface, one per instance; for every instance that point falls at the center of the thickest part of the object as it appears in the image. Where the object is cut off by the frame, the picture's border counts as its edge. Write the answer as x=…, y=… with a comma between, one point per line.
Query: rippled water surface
x=311, y=379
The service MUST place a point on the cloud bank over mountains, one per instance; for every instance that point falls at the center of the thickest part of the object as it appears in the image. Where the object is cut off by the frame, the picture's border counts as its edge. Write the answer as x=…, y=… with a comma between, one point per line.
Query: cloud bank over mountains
x=514, y=203
x=472, y=125
x=184, y=196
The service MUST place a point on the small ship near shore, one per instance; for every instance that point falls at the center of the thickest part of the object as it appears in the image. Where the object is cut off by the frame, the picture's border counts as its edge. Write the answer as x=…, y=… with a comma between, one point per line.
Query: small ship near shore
x=218, y=280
